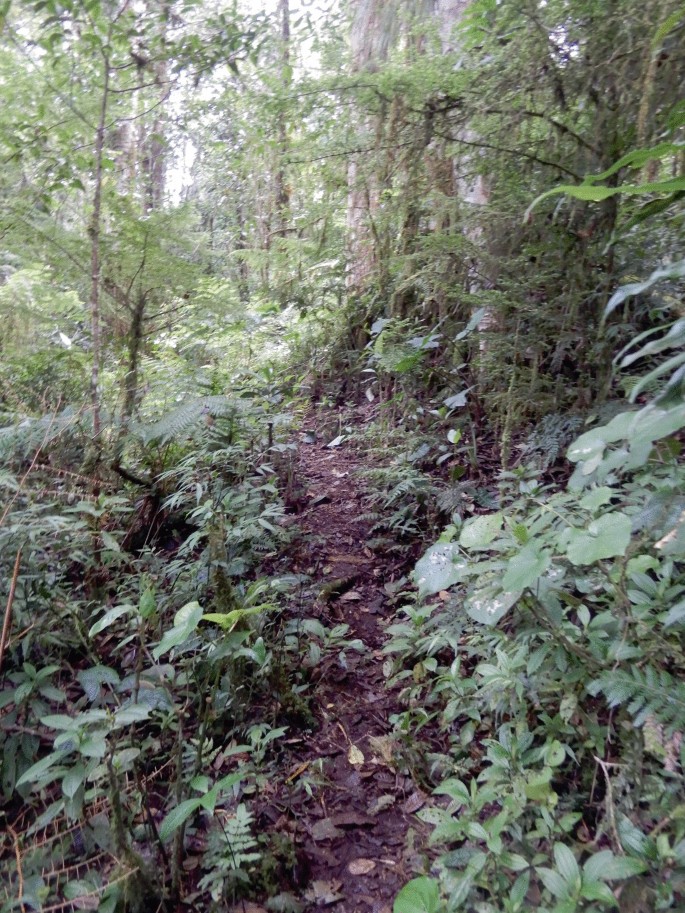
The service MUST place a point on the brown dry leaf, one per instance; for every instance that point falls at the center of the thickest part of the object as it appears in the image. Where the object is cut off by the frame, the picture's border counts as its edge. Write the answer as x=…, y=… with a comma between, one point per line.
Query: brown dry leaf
x=86, y=902
x=383, y=746
x=351, y=596
x=361, y=866
x=444, y=595
x=355, y=756
x=416, y=801
x=325, y=830
x=381, y=803
x=351, y=819
x=324, y=892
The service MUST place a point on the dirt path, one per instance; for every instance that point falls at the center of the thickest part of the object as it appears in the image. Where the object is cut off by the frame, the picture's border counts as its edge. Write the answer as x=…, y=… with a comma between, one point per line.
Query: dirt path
x=356, y=831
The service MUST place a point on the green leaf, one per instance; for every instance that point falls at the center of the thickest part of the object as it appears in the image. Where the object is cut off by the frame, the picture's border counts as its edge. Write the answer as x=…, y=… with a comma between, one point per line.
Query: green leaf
x=676, y=614
x=595, y=890
x=228, y=620
x=606, y=537
x=92, y=679
x=490, y=603
x=555, y=754
x=110, y=617
x=554, y=883
x=178, y=816
x=147, y=605
x=596, y=498
x=440, y=568
x=135, y=713
x=606, y=866
x=567, y=865
x=524, y=569
x=421, y=895
x=36, y=771
x=538, y=785
x=185, y=622
x=479, y=532
x=73, y=780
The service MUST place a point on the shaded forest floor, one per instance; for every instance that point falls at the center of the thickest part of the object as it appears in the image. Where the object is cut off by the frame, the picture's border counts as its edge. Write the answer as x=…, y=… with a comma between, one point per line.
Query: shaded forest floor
x=356, y=831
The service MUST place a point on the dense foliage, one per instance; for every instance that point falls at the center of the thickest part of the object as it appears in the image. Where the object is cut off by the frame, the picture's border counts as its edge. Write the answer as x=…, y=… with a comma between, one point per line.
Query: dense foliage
x=466, y=216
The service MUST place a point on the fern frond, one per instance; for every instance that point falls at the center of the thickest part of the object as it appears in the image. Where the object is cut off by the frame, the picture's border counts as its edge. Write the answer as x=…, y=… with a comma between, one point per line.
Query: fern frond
x=26, y=434
x=189, y=413
x=550, y=438
x=647, y=692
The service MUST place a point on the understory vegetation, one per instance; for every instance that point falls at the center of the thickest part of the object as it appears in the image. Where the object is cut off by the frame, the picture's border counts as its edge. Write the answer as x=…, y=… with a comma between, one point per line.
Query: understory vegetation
x=444, y=238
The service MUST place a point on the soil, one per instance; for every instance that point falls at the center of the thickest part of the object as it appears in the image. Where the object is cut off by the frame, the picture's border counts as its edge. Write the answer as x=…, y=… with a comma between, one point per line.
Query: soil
x=346, y=796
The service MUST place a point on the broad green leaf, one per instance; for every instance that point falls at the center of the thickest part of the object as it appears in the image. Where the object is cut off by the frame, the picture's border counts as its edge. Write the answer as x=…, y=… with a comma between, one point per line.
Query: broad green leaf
x=538, y=785
x=136, y=713
x=671, y=271
x=110, y=617
x=95, y=746
x=36, y=771
x=479, y=532
x=555, y=754
x=605, y=537
x=185, y=622
x=676, y=614
x=596, y=498
x=177, y=817
x=590, y=193
x=92, y=679
x=490, y=603
x=674, y=337
x=147, y=606
x=228, y=620
x=109, y=541
x=596, y=890
x=606, y=866
x=476, y=318
x=524, y=569
x=440, y=568
x=567, y=865
x=421, y=895
x=73, y=780
x=554, y=883
x=59, y=721
x=80, y=888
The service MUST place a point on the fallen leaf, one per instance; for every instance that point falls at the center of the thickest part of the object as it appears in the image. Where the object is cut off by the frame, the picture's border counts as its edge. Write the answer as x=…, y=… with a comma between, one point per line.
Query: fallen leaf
x=381, y=803
x=444, y=596
x=383, y=745
x=325, y=830
x=351, y=596
x=361, y=866
x=324, y=892
x=416, y=801
x=355, y=757
x=351, y=819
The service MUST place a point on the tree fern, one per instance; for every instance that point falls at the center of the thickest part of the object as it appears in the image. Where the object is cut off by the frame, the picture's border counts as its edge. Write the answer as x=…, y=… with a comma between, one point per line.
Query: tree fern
x=645, y=692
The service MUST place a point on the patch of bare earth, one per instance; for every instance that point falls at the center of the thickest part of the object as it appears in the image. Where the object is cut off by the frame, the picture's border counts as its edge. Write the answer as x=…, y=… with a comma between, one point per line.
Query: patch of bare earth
x=355, y=827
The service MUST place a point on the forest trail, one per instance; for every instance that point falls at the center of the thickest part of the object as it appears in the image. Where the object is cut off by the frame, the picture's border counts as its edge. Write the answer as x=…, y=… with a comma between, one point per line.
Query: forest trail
x=356, y=832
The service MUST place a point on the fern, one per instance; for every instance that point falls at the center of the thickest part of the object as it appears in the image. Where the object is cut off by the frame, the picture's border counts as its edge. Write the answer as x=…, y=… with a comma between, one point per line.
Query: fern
x=26, y=434
x=550, y=438
x=647, y=692
x=183, y=417
x=231, y=850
